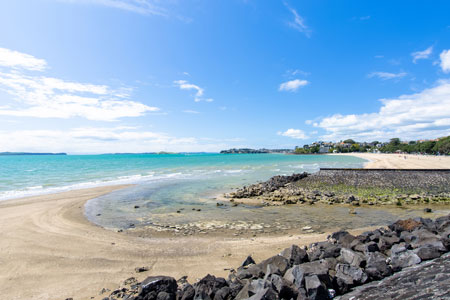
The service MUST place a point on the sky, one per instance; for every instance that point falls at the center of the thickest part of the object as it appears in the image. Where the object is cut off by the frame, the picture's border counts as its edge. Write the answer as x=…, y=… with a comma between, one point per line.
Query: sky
x=102, y=76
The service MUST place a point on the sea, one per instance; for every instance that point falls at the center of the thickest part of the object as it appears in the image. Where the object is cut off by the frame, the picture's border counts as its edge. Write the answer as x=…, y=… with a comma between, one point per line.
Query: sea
x=167, y=190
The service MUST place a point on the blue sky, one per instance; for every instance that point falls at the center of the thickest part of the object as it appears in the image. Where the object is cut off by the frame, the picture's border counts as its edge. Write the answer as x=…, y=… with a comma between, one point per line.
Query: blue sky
x=93, y=76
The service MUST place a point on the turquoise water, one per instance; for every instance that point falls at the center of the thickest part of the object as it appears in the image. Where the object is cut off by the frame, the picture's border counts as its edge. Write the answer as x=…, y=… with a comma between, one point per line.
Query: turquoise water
x=31, y=175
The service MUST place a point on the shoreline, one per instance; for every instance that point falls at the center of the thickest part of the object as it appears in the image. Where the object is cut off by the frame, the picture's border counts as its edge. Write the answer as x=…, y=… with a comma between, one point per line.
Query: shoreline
x=51, y=251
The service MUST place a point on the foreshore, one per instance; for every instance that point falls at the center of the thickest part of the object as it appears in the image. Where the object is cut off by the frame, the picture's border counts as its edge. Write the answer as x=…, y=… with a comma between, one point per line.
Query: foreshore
x=50, y=251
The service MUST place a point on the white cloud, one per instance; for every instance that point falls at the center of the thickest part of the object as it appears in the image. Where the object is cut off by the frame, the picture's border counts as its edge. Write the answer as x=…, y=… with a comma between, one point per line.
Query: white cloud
x=299, y=22
x=48, y=97
x=292, y=85
x=189, y=111
x=445, y=61
x=422, y=54
x=105, y=140
x=293, y=133
x=185, y=85
x=144, y=7
x=17, y=60
x=387, y=75
x=421, y=115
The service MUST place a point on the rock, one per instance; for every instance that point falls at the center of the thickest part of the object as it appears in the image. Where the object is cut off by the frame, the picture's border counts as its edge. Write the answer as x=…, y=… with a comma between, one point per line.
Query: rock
x=208, y=286
x=343, y=238
x=427, y=210
x=323, y=250
x=153, y=285
x=377, y=267
x=165, y=296
x=141, y=269
x=296, y=275
x=223, y=293
x=187, y=293
x=425, y=237
x=136, y=206
x=404, y=259
x=348, y=276
x=427, y=252
x=284, y=288
x=352, y=258
x=252, y=271
x=295, y=255
x=248, y=261
x=315, y=288
x=276, y=264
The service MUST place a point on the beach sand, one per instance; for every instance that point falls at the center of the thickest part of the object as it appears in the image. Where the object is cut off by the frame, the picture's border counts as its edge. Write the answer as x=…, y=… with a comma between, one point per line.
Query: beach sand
x=402, y=161
x=48, y=250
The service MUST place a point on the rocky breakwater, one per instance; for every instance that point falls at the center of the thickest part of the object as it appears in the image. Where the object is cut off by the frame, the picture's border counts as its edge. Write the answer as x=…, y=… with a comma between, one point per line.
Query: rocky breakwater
x=321, y=270
x=351, y=186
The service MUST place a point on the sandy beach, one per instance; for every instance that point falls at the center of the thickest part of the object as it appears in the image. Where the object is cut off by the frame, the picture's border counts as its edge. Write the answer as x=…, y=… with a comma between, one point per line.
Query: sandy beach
x=402, y=161
x=50, y=251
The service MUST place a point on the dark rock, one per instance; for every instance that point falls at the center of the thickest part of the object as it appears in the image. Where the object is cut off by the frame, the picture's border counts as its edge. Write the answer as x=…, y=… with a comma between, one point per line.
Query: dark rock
x=284, y=288
x=141, y=269
x=276, y=264
x=296, y=275
x=208, y=286
x=427, y=210
x=323, y=250
x=315, y=288
x=348, y=276
x=153, y=285
x=165, y=296
x=425, y=237
x=222, y=294
x=427, y=252
x=248, y=261
x=295, y=255
x=252, y=271
x=377, y=267
x=187, y=293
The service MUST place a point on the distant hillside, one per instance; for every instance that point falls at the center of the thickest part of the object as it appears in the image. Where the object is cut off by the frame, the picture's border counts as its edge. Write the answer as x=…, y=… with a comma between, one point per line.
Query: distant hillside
x=248, y=150
x=29, y=153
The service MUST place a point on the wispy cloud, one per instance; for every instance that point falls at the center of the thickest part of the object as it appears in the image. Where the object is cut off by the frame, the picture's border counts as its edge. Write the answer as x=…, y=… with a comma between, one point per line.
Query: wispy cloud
x=48, y=97
x=199, y=92
x=298, y=23
x=422, y=54
x=387, y=75
x=144, y=7
x=292, y=85
x=364, y=18
x=445, y=61
x=294, y=133
x=189, y=111
x=16, y=60
x=425, y=114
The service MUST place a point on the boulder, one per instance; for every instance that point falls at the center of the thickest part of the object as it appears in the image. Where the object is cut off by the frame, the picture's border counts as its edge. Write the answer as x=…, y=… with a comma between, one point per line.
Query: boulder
x=401, y=260
x=352, y=258
x=425, y=237
x=295, y=255
x=274, y=265
x=222, y=294
x=405, y=225
x=315, y=289
x=348, y=276
x=208, y=286
x=323, y=250
x=187, y=293
x=248, y=261
x=427, y=252
x=342, y=237
x=252, y=271
x=377, y=266
x=153, y=285
x=284, y=288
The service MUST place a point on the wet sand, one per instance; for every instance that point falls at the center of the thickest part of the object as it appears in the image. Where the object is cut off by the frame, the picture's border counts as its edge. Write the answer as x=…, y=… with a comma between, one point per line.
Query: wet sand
x=49, y=250
x=402, y=161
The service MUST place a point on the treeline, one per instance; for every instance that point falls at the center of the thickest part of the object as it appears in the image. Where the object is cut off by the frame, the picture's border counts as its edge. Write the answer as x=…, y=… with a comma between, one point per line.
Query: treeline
x=441, y=146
